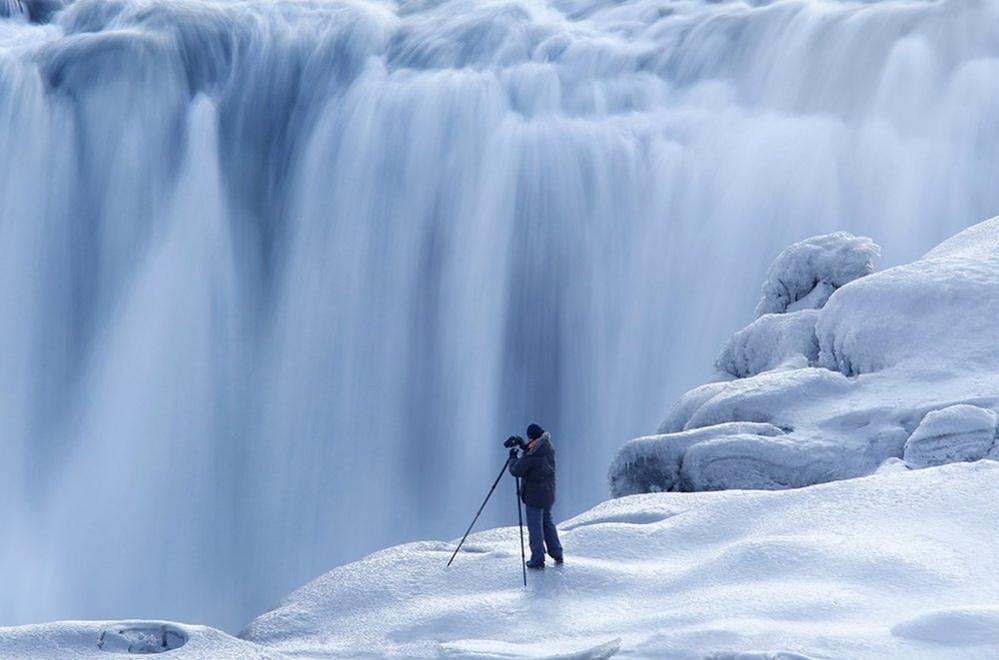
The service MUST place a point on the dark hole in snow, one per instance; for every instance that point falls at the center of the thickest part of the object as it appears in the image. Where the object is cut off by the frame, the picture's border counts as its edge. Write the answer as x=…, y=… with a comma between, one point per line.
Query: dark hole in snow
x=143, y=639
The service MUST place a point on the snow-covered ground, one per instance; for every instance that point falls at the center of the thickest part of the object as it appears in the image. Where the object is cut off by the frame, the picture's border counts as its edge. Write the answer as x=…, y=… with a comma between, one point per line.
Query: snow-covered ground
x=894, y=565
x=901, y=564
x=842, y=371
x=80, y=640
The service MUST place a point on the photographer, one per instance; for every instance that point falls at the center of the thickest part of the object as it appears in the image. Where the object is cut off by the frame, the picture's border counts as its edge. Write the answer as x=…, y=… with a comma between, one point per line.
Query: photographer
x=536, y=469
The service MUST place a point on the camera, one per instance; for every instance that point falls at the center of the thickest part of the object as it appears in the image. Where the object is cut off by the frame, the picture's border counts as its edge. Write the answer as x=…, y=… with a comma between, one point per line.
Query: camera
x=514, y=441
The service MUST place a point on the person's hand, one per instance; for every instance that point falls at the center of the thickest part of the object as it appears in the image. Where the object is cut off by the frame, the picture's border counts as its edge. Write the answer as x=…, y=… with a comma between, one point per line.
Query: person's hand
x=513, y=452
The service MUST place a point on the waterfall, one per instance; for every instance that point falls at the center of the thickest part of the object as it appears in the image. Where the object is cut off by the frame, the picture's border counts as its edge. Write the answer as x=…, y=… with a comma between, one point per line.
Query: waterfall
x=277, y=278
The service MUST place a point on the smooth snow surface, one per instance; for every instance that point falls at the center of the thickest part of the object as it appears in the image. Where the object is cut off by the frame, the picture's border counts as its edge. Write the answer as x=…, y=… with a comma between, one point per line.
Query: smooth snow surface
x=957, y=627
x=257, y=255
x=902, y=565
x=896, y=364
x=118, y=640
x=866, y=568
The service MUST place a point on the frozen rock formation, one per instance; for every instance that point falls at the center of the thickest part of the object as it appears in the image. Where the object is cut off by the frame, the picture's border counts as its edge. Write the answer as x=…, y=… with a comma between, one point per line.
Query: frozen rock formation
x=956, y=433
x=652, y=464
x=770, y=342
x=853, y=367
x=938, y=313
x=805, y=274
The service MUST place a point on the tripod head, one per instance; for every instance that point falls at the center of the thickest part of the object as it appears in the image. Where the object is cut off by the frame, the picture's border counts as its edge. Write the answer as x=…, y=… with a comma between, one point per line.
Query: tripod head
x=514, y=441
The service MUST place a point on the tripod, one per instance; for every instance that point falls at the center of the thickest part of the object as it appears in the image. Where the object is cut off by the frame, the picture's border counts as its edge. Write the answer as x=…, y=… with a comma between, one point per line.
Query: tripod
x=520, y=519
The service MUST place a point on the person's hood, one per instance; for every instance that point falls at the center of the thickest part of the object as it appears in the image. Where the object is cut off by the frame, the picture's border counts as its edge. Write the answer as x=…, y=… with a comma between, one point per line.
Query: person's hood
x=544, y=442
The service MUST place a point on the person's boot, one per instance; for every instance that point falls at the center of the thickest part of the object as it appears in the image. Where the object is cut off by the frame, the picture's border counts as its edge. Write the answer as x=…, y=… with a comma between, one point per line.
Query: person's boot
x=536, y=565
x=558, y=559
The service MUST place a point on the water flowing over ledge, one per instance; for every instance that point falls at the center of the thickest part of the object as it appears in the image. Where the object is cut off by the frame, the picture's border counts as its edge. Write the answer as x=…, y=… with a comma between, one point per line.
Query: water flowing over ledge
x=277, y=276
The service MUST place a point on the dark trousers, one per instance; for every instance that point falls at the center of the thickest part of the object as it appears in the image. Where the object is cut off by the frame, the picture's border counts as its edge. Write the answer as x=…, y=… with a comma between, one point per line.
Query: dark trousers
x=543, y=533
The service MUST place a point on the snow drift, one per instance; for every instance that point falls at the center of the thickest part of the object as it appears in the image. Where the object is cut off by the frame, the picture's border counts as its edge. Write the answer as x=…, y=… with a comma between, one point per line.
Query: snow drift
x=842, y=570
x=896, y=565
x=851, y=368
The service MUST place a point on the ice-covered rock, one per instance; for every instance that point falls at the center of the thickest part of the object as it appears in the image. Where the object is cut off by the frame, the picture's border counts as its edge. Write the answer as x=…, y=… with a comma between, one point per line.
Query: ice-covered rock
x=772, y=396
x=805, y=274
x=771, y=341
x=892, y=348
x=892, y=465
x=755, y=461
x=799, y=283
x=684, y=408
x=941, y=311
x=956, y=433
x=652, y=464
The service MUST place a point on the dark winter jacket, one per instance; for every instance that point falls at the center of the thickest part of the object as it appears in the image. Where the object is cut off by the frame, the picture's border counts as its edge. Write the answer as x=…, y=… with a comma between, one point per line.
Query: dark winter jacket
x=536, y=469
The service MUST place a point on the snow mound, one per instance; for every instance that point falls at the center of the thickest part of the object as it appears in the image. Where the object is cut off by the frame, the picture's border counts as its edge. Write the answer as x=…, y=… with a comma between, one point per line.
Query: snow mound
x=759, y=655
x=849, y=383
x=956, y=433
x=838, y=570
x=953, y=627
x=770, y=342
x=483, y=648
x=102, y=640
x=805, y=274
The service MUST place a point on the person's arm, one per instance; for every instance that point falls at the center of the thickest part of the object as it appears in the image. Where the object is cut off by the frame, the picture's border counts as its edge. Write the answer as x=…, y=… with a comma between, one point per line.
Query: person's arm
x=520, y=467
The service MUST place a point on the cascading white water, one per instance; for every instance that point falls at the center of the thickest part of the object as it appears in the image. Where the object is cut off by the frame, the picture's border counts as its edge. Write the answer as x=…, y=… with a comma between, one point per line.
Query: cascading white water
x=277, y=278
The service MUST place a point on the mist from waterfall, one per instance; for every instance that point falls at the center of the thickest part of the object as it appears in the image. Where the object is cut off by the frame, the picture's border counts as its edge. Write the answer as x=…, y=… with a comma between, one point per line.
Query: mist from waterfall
x=277, y=278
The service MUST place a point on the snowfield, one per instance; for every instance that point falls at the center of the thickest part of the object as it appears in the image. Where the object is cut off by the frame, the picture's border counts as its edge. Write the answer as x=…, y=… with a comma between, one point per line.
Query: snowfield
x=893, y=565
x=901, y=564
x=77, y=640
x=842, y=371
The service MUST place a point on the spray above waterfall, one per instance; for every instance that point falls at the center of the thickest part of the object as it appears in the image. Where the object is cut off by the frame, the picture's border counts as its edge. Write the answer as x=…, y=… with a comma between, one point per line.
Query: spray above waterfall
x=276, y=276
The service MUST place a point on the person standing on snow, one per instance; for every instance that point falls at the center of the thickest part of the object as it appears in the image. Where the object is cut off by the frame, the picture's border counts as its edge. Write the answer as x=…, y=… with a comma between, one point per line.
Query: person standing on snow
x=536, y=469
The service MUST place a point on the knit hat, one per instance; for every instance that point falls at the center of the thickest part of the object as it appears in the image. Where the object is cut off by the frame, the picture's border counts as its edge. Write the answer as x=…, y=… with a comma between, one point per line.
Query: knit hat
x=534, y=431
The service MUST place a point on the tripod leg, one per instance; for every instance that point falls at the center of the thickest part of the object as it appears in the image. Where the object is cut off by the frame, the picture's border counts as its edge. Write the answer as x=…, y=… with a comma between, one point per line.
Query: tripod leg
x=498, y=477
x=520, y=518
